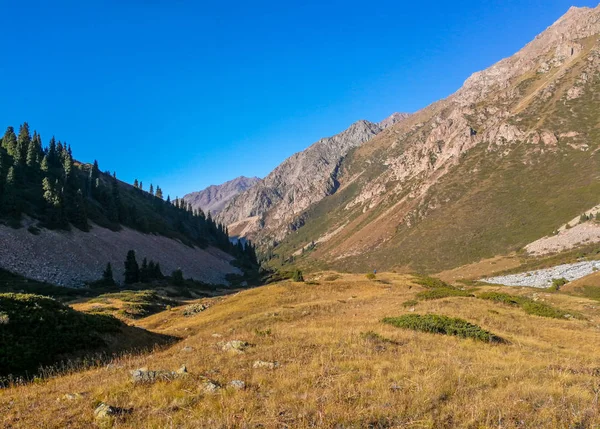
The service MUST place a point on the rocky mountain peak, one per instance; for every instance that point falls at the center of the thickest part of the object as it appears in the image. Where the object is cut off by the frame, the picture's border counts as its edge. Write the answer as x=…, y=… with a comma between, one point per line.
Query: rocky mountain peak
x=215, y=197
x=394, y=118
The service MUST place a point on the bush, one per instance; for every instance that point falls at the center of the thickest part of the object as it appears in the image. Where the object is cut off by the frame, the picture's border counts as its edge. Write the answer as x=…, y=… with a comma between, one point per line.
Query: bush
x=297, y=276
x=439, y=293
x=410, y=303
x=528, y=305
x=431, y=282
x=557, y=284
x=371, y=276
x=444, y=325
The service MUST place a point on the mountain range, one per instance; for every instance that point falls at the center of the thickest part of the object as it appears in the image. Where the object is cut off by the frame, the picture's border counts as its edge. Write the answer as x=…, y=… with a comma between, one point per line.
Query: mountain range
x=503, y=161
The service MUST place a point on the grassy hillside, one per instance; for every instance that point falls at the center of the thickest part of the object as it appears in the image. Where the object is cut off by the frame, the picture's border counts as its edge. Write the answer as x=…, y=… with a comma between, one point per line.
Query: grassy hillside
x=507, y=190
x=318, y=354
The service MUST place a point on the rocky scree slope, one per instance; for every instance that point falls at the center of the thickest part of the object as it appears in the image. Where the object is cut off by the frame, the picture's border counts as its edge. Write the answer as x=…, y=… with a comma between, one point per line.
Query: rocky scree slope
x=72, y=258
x=215, y=197
x=300, y=181
x=505, y=160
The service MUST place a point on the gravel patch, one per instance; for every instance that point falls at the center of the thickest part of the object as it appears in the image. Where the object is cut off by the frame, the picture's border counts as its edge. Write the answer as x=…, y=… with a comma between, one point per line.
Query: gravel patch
x=74, y=257
x=543, y=278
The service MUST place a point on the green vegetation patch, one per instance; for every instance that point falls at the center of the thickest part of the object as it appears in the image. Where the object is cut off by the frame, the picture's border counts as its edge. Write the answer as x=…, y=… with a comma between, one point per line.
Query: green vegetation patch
x=138, y=304
x=439, y=293
x=35, y=331
x=529, y=305
x=431, y=282
x=437, y=324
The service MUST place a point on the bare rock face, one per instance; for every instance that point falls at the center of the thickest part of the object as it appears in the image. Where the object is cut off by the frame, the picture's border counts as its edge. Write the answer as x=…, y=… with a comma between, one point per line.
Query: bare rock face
x=214, y=198
x=301, y=180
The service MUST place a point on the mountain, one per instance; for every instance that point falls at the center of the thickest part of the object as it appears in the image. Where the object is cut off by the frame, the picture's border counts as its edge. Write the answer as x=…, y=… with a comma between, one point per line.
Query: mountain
x=63, y=221
x=214, y=198
x=507, y=159
x=303, y=179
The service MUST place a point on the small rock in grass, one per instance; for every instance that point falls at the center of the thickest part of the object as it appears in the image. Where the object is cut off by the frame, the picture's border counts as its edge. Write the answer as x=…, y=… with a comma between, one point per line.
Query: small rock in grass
x=104, y=411
x=210, y=387
x=237, y=384
x=264, y=364
x=236, y=346
x=143, y=375
x=187, y=349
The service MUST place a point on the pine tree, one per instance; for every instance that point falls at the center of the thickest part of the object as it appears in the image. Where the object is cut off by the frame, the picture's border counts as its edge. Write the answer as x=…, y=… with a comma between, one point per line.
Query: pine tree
x=95, y=170
x=144, y=273
x=33, y=151
x=159, y=193
x=136, y=184
x=23, y=141
x=9, y=141
x=44, y=166
x=177, y=277
x=10, y=204
x=157, y=272
x=132, y=270
x=151, y=191
x=107, y=276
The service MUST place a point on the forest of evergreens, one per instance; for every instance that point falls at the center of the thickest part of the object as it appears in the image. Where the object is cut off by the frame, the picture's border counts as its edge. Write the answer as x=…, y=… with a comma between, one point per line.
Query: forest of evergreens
x=47, y=184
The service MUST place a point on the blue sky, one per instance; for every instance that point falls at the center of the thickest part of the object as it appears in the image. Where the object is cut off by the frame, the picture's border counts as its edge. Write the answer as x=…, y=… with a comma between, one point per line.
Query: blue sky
x=185, y=94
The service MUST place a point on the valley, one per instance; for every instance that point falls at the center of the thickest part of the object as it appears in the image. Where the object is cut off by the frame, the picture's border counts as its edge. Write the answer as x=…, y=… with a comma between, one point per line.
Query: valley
x=434, y=269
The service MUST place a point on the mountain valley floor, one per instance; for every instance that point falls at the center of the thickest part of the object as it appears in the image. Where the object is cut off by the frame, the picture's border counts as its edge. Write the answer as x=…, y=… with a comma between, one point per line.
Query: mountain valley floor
x=317, y=354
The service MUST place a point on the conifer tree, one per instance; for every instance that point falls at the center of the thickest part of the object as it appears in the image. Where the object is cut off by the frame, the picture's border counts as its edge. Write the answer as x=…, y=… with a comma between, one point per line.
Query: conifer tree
x=23, y=140
x=151, y=191
x=10, y=204
x=144, y=274
x=107, y=276
x=136, y=184
x=132, y=270
x=95, y=170
x=9, y=141
x=159, y=193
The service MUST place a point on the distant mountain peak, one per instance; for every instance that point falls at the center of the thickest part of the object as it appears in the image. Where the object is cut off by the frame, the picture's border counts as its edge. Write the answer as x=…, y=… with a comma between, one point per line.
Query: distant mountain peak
x=393, y=119
x=215, y=197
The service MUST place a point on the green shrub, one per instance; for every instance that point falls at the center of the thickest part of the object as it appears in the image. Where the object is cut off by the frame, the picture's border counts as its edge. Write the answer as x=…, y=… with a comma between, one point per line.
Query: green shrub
x=410, y=303
x=431, y=282
x=439, y=293
x=528, y=305
x=557, y=284
x=297, y=276
x=371, y=276
x=437, y=324
x=37, y=330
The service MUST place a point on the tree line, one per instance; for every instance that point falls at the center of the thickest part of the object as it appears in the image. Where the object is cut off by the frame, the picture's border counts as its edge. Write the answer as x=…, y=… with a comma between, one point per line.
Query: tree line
x=46, y=183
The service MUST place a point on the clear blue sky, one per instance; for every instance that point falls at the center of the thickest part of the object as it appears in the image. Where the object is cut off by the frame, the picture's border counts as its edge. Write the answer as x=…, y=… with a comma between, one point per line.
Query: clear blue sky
x=185, y=94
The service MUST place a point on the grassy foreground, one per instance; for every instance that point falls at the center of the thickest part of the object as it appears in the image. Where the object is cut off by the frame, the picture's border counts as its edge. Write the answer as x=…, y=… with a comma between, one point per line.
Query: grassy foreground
x=340, y=366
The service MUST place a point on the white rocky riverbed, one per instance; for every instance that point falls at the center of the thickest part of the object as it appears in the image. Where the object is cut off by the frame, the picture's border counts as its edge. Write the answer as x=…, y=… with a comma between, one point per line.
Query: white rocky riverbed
x=543, y=278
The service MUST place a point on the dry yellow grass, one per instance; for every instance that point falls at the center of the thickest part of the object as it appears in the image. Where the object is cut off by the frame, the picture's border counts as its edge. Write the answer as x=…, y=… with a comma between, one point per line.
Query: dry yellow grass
x=332, y=376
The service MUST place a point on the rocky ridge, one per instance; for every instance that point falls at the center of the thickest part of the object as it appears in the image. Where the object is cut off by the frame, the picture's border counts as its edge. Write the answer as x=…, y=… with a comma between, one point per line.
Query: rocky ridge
x=300, y=181
x=215, y=197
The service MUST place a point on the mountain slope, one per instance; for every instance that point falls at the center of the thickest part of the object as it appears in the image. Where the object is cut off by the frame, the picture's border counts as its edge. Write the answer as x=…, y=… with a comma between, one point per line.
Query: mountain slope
x=79, y=219
x=505, y=160
x=301, y=180
x=214, y=198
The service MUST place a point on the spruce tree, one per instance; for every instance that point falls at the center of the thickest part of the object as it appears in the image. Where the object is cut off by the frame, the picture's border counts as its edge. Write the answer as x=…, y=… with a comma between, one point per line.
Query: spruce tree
x=159, y=193
x=136, y=184
x=132, y=270
x=23, y=140
x=10, y=204
x=144, y=274
x=151, y=191
x=107, y=276
x=9, y=141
